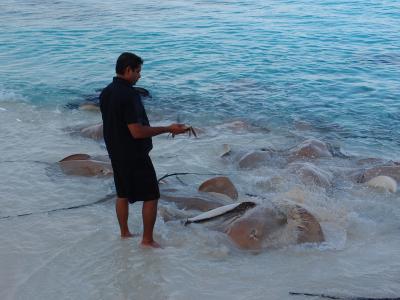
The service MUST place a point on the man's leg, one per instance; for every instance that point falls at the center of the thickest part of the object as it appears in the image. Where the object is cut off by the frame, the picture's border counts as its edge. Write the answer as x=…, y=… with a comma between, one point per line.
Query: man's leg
x=122, y=209
x=149, y=215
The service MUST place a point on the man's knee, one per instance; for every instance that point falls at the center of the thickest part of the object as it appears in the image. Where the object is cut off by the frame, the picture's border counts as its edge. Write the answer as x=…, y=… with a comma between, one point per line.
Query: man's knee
x=150, y=203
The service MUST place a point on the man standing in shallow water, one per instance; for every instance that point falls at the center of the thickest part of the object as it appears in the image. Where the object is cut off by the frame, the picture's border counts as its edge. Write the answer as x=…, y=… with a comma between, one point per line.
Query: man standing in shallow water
x=127, y=134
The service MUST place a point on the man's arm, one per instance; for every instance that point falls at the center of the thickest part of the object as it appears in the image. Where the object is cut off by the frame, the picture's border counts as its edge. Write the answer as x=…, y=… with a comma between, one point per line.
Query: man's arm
x=139, y=131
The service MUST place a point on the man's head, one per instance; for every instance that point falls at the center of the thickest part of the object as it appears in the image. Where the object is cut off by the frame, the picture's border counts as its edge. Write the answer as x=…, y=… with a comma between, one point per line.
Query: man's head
x=128, y=67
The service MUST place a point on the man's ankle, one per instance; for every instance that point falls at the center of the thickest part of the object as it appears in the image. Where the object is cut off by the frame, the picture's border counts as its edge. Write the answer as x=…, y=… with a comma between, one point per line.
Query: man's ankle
x=125, y=233
x=147, y=240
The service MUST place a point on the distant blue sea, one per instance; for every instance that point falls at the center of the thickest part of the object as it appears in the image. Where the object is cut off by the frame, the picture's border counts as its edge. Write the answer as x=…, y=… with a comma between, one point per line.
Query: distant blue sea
x=333, y=64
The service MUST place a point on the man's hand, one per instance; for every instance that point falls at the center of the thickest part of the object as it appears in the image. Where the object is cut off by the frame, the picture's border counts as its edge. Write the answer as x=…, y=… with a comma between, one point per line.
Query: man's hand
x=177, y=128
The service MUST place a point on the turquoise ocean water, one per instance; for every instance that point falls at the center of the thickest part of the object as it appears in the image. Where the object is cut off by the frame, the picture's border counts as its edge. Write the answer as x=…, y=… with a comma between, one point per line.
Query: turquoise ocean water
x=334, y=64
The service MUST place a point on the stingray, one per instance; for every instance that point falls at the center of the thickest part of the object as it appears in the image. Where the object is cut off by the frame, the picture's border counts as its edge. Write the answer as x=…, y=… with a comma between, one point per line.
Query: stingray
x=251, y=226
x=92, y=101
x=86, y=165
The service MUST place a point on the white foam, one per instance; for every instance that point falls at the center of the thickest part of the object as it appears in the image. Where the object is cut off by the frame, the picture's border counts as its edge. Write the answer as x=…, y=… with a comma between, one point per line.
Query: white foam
x=10, y=96
x=335, y=236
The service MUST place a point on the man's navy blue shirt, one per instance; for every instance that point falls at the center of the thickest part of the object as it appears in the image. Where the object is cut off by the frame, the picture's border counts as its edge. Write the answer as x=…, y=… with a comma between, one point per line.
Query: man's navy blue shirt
x=121, y=105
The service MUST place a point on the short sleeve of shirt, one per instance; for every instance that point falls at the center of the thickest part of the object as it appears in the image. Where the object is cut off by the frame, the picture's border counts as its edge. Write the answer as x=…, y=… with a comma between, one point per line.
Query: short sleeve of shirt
x=133, y=110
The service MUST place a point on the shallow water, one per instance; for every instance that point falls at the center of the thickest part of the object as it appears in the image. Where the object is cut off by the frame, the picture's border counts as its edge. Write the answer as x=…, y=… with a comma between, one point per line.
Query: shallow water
x=293, y=70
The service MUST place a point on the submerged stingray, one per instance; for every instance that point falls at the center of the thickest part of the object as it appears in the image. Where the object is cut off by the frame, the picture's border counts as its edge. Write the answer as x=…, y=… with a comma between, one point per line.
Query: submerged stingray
x=255, y=159
x=311, y=174
x=94, y=131
x=92, y=102
x=392, y=171
x=310, y=149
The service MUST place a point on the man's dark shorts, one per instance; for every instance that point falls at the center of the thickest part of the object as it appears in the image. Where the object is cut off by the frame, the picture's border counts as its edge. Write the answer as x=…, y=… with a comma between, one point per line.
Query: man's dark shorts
x=136, y=179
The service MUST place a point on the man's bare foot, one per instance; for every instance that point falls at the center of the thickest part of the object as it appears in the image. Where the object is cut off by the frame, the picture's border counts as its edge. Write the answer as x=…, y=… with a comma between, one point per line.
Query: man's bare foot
x=126, y=235
x=152, y=244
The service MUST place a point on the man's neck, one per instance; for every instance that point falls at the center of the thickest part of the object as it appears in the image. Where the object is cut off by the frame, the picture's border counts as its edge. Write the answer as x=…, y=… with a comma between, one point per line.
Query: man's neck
x=124, y=78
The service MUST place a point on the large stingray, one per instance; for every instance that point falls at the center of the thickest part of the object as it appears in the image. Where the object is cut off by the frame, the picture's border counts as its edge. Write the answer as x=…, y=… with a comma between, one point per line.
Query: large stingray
x=253, y=227
x=249, y=225
x=85, y=165
x=221, y=185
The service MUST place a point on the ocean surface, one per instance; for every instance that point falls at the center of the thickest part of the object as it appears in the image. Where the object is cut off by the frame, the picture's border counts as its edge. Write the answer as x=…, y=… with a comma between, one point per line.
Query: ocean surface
x=250, y=74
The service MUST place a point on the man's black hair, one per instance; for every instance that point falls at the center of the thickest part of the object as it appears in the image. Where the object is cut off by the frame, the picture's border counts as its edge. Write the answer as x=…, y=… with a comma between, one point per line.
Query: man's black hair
x=127, y=59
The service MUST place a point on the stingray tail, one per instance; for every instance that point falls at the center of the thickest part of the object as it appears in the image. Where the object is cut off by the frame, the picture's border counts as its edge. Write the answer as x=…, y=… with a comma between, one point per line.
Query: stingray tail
x=340, y=298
